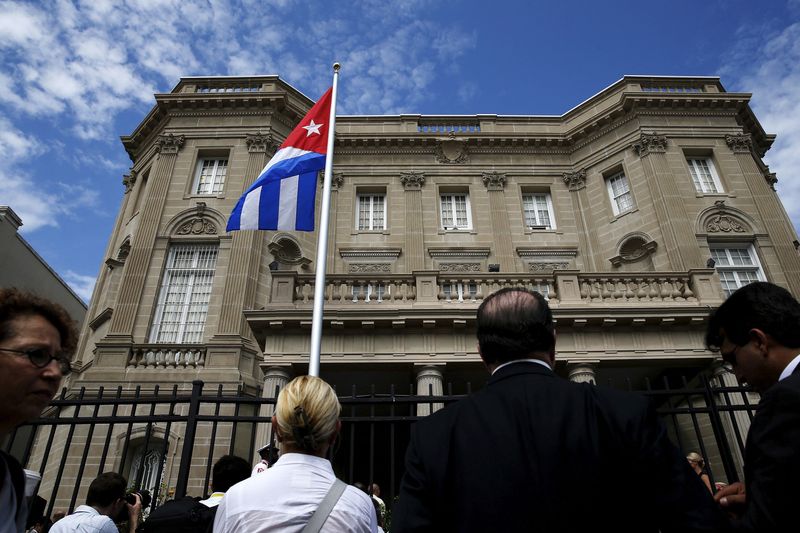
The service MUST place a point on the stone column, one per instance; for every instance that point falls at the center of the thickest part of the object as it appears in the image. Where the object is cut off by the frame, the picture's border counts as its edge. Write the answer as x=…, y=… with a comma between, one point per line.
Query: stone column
x=275, y=378
x=769, y=207
x=679, y=239
x=576, y=182
x=245, y=252
x=136, y=267
x=722, y=376
x=337, y=180
x=504, y=250
x=415, y=244
x=582, y=372
x=430, y=382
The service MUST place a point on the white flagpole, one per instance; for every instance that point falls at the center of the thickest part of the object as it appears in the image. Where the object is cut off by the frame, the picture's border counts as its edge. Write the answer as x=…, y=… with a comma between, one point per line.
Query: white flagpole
x=322, y=241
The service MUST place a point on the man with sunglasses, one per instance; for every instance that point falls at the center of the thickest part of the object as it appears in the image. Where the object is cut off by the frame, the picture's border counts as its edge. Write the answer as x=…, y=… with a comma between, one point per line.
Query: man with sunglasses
x=757, y=331
x=37, y=338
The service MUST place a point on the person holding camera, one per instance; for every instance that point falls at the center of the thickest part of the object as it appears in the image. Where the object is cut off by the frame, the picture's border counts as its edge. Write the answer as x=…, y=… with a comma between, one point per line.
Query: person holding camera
x=105, y=503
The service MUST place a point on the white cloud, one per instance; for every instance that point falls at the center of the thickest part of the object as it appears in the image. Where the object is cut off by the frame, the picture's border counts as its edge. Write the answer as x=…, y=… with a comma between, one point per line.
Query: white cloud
x=772, y=74
x=82, y=285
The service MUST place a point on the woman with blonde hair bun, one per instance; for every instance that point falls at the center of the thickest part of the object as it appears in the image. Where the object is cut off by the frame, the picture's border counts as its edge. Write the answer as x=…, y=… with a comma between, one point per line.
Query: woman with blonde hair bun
x=300, y=493
x=698, y=464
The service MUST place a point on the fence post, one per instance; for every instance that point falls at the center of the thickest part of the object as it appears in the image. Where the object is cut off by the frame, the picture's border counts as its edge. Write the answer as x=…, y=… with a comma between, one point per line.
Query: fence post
x=719, y=433
x=188, y=440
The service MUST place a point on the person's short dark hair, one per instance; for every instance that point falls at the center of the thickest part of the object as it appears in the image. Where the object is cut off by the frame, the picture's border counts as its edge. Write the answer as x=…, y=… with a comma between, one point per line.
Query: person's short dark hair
x=514, y=323
x=106, y=488
x=228, y=471
x=759, y=305
x=15, y=303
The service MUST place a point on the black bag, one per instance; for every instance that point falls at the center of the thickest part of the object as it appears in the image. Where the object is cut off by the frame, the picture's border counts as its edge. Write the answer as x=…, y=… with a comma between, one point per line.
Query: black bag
x=186, y=515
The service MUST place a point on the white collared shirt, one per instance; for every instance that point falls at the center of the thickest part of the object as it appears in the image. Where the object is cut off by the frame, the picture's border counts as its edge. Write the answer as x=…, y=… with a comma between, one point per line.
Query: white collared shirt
x=790, y=368
x=85, y=519
x=537, y=361
x=213, y=500
x=284, y=497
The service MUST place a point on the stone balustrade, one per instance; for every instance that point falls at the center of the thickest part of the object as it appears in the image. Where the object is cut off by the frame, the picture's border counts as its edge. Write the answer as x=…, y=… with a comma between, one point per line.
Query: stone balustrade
x=166, y=356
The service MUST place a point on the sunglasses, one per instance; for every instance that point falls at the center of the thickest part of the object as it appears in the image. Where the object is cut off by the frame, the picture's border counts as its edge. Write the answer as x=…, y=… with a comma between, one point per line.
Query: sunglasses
x=40, y=358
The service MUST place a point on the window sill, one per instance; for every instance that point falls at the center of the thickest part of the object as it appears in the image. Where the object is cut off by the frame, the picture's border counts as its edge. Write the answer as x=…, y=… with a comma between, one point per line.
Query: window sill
x=617, y=217
x=714, y=195
x=191, y=196
x=465, y=231
x=554, y=231
x=370, y=232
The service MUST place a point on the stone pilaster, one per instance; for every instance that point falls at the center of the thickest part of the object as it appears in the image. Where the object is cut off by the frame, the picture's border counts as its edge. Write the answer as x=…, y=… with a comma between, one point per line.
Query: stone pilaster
x=582, y=372
x=576, y=183
x=501, y=230
x=136, y=266
x=676, y=230
x=722, y=376
x=430, y=382
x=770, y=210
x=245, y=253
x=275, y=379
x=415, y=243
x=337, y=180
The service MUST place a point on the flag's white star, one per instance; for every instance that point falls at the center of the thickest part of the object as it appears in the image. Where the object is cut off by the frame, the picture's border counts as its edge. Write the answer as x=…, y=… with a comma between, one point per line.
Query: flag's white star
x=312, y=128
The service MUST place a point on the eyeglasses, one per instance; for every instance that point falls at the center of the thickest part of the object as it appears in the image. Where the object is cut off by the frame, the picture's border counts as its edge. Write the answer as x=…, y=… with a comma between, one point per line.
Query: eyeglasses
x=40, y=358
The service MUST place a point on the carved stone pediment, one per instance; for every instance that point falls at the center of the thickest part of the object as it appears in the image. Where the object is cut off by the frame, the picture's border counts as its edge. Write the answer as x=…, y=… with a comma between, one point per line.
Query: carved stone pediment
x=722, y=223
x=575, y=181
x=451, y=151
x=197, y=226
x=650, y=143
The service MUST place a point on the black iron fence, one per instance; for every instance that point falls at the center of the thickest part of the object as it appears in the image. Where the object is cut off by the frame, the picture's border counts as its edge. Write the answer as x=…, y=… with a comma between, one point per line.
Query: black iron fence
x=167, y=442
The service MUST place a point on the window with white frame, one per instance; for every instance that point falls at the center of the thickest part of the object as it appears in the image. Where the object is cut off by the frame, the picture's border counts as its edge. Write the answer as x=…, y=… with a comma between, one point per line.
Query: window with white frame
x=460, y=291
x=619, y=191
x=185, y=292
x=370, y=292
x=538, y=211
x=210, y=176
x=543, y=289
x=371, y=212
x=704, y=175
x=737, y=266
x=455, y=211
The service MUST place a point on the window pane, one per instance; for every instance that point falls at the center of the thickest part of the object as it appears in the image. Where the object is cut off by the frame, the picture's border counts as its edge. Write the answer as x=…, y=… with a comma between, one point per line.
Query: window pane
x=461, y=210
x=212, y=176
x=377, y=212
x=447, y=211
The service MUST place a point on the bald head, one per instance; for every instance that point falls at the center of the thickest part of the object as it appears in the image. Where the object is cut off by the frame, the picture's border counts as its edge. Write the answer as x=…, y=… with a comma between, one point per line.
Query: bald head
x=515, y=323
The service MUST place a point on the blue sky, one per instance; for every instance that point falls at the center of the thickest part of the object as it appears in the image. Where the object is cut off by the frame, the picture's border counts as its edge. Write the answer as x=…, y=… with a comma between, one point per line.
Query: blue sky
x=75, y=75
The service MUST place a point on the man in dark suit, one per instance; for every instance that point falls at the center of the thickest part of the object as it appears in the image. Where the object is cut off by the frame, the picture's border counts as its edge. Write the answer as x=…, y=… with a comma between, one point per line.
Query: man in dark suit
x=534, y=452
x=757, y=331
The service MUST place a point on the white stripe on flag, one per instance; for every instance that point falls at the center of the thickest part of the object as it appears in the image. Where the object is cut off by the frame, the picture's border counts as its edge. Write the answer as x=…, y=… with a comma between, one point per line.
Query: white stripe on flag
x=249, y=216
x=282, y=155
x=287, y=211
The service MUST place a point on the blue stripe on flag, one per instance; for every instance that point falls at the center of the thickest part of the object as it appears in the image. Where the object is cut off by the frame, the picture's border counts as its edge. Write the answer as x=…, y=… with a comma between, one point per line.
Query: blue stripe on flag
x=306, y=201
x=269, y=205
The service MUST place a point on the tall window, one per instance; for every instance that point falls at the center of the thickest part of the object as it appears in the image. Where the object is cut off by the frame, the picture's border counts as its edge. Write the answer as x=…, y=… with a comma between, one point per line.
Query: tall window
x=185, y=292
x=704, y=175
x=538, y=210
x=210, y=177
x=371, y=212
x=455, y=211
x=737, y=266
x=460, y=291
x=619, y=191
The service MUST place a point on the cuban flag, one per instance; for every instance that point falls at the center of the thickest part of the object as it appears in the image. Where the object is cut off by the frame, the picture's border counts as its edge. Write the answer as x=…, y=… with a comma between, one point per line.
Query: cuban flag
x=283, y=196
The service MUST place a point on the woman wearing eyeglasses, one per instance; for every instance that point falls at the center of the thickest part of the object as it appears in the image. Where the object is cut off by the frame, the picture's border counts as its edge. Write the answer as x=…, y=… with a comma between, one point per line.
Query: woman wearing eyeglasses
x=300, y=492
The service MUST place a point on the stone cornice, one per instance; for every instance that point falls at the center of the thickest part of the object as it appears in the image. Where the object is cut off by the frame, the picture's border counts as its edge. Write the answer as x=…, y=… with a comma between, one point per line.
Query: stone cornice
x=447, y=252
x=369, y=253
x=546, y=252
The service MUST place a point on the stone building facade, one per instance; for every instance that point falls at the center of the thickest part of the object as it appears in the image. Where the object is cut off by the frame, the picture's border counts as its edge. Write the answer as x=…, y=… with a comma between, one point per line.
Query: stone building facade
x=634, y=212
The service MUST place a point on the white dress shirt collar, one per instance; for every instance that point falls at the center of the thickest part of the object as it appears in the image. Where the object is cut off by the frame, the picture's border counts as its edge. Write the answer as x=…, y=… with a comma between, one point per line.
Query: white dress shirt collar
x=537, y=361
x=790, y=368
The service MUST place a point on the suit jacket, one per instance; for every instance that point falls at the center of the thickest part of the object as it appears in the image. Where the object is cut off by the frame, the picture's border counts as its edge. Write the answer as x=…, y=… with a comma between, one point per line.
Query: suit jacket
x=534, y=452
x=772, y=461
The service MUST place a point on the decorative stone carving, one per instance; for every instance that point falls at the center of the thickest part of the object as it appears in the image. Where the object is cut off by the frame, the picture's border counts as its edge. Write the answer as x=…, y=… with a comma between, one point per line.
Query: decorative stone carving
x=634, y=249
x=129, y=180
x=337, y=180
x=197, y=226
x=575, y=181
x=259, y=143
x=650, y=143
x=412, y=181
x=169, y=143
x=286, y=250
x=451, y=151
x=494, y=181
x=547, y=266
x=460, y=267
x=740, y=144
x=124, y=251
x=369, y=268
x=722, y=223
x=771, y=178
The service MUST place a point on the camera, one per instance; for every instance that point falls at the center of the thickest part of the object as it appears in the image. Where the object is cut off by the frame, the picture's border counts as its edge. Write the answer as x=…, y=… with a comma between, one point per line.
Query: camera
x=130, y=499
